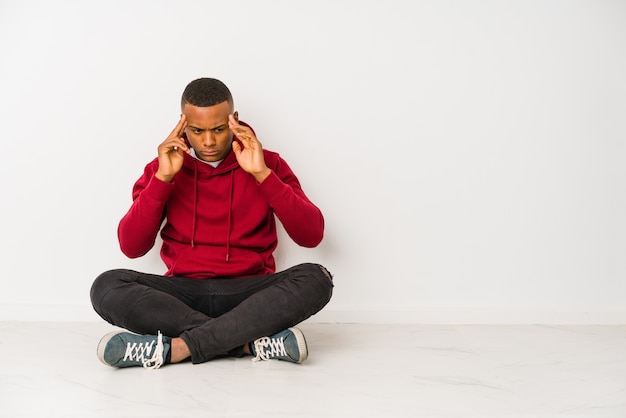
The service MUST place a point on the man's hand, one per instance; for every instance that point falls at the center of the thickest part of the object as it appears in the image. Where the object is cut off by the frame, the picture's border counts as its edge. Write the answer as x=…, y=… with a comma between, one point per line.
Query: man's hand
x=250, y=153
x=171, y=152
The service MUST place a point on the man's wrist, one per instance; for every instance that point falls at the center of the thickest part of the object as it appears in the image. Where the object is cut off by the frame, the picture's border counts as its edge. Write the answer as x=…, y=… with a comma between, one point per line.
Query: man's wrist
x=163, y=178
x=261, y=176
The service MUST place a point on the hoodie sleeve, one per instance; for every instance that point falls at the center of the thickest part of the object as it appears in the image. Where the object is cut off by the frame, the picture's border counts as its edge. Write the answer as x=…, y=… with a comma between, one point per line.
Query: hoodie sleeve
x=302, y=220
x=138, y=229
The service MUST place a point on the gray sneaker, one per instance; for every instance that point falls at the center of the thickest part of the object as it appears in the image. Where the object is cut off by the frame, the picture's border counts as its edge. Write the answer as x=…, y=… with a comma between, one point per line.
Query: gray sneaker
x=124, y=349
x=288, y=345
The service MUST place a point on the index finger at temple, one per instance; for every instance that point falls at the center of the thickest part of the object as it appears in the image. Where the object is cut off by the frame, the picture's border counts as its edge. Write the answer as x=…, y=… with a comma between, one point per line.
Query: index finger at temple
x=240, y=129
x=234, y=124
x=180, y=126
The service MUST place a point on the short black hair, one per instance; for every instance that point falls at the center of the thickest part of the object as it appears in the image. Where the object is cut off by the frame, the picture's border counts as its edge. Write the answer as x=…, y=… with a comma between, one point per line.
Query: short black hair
x=206, y=92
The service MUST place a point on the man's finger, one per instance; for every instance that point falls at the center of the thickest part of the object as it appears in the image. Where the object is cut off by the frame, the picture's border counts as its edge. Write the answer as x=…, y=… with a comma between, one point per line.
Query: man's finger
x=177, y=131
x=241, y=130
x=175, y=144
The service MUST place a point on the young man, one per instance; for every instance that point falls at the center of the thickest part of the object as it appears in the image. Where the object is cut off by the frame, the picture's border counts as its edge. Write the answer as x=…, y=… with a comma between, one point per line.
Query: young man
x=218, y=192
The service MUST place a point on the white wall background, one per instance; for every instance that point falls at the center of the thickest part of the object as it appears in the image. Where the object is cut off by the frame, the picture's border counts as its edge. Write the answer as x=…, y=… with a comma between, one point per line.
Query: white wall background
x=469, y=156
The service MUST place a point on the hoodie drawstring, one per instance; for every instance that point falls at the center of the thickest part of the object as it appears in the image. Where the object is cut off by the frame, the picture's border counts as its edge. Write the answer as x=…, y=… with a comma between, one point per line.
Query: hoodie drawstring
x=195, y=203
x=195, y=208
x=230, y=211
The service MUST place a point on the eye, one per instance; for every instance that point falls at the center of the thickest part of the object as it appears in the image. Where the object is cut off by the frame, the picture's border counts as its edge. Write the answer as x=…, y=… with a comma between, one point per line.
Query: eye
x=197, y=131
x=218, y=130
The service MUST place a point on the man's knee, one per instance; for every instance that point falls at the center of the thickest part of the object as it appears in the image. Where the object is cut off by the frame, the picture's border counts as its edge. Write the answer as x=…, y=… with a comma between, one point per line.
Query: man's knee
x=103, y=284
x=318, y=271
x=320, y=287
x=325, y=272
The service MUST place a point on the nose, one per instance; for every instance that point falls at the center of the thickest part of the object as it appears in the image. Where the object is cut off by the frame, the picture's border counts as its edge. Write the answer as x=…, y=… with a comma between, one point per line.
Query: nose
x=208, y=139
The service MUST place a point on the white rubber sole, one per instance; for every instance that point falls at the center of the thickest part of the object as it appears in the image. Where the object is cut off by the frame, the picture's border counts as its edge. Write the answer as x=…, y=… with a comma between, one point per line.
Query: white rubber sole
x=103, y=343
x=302, y=347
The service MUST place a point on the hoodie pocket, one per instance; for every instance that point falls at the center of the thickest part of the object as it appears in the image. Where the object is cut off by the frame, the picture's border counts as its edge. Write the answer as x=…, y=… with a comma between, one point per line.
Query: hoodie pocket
x=206, y=261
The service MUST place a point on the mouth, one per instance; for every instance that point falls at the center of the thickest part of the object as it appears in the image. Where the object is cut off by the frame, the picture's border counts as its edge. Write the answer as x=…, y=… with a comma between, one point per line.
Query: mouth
x=209, y=153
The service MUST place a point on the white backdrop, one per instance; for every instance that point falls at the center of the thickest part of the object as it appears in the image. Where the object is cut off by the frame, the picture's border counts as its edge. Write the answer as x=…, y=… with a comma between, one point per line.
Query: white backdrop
x=468, y=156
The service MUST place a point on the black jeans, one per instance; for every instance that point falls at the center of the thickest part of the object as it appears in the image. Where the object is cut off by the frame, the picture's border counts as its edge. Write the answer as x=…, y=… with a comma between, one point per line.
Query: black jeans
x=215, y=317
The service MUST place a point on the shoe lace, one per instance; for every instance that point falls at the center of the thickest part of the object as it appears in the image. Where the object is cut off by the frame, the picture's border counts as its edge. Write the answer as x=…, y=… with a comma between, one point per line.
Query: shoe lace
x=266, y=348
x=139, y=352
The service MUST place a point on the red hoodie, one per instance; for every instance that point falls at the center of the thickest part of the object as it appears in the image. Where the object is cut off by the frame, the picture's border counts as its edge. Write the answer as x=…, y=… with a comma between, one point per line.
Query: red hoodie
x=219, y=222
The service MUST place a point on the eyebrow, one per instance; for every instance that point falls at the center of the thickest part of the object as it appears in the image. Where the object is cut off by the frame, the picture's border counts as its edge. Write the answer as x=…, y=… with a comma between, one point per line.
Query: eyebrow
x=210, y=129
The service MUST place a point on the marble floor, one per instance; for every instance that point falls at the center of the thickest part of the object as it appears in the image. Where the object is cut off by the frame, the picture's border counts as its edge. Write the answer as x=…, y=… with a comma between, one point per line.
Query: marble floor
x=354, y=370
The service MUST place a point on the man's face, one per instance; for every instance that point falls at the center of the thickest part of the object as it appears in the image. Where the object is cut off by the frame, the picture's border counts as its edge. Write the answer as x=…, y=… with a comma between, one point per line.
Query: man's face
x=207, y=130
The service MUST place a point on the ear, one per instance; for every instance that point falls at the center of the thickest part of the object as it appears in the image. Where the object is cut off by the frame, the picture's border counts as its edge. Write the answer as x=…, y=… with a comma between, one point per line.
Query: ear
x=236, y=116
